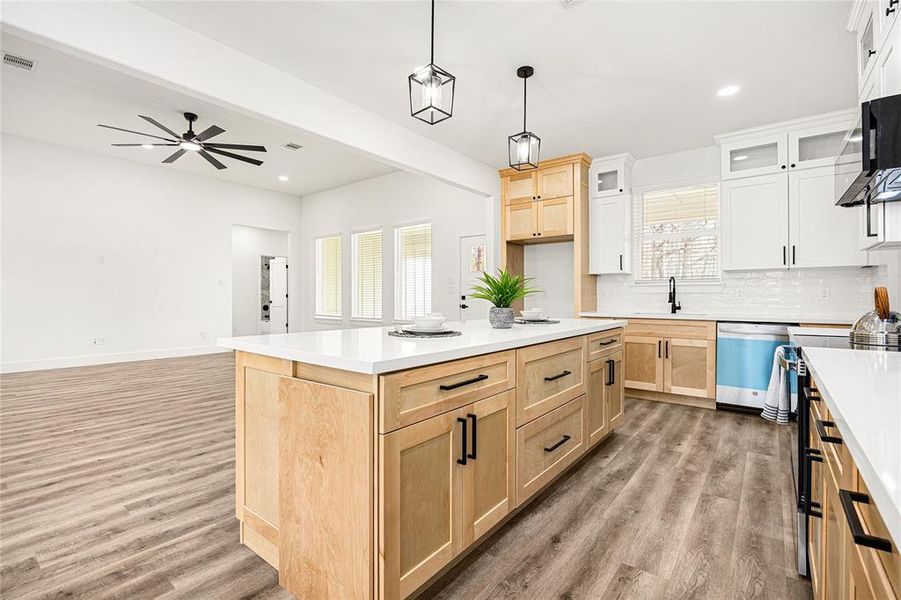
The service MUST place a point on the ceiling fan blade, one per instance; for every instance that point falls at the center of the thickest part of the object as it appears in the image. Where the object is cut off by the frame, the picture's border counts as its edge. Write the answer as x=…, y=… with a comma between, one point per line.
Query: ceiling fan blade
x=212, y=160
x=209, y=132
x=245, y=147
x=160, y=125
x=137, y=132
x=175, y=156
x=252, y=161
x=154, y=145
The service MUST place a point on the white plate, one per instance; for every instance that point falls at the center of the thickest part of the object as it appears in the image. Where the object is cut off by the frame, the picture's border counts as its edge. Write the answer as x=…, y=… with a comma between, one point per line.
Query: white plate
x=535, y=319
x=418, y=329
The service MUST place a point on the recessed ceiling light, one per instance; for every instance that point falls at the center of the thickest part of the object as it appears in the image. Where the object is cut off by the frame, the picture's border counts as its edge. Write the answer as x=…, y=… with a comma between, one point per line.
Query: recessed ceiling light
x=729, y=90
x=283, y=178
x=740, y=157
x=147, y=146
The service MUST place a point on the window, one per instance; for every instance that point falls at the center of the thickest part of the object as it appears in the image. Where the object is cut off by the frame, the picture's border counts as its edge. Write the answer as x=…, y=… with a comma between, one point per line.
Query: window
x=366, y=275
x=412, y=271
x=328, y=277
x=678, y=234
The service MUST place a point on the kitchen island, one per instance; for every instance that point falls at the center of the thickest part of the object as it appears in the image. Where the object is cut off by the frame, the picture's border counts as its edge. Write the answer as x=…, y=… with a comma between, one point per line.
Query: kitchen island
x=367, y=464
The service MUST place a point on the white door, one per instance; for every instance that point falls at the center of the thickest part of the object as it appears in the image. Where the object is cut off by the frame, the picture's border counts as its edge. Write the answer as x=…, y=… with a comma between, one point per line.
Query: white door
x=473, y=261
x=278, y=295
x=610, y=236
x=755, y=223
x=821, y=233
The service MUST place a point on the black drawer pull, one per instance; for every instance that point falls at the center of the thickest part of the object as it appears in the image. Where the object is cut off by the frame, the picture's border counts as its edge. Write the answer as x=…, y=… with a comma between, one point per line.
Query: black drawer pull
x=814, y=455
x=812, y=394
x=553, y=377
x=453, y=386
x=821, y=429
x=562, y=441
x=475, y=434
x=462, y=459
x=861, y=537
x=607, y=342
x=611, y=372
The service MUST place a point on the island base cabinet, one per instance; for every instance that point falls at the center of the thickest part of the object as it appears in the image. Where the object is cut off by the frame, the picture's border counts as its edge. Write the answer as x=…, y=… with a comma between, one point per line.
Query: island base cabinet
x=604, y=402
x=445, y=482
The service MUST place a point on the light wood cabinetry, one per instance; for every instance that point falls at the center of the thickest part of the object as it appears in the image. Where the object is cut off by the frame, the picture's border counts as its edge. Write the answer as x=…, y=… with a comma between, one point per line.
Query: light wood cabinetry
x=850, y=551
x=549, y=205
x=671, y=359
x=362, y=486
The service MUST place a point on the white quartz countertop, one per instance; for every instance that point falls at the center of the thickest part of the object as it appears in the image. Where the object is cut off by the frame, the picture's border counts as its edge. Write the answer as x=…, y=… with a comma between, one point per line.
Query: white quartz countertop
x=862, y=389
x=714, y=316
x=371, y=350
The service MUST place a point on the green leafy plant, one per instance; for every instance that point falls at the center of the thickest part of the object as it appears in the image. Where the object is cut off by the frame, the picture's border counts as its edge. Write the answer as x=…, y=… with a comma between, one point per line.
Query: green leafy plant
x=504, y=289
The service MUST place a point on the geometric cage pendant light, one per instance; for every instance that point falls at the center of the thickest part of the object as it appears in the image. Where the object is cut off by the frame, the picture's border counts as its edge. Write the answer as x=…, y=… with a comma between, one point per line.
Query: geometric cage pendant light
x=431, y=89
x=524, y=146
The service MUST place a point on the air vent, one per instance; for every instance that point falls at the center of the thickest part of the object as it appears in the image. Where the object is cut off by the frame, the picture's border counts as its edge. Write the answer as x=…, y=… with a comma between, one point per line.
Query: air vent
x=17, y=61
x=293, y=146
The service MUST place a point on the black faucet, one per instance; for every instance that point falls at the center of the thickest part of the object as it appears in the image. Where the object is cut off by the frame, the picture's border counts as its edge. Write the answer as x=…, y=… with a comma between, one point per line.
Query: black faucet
x=674, y=306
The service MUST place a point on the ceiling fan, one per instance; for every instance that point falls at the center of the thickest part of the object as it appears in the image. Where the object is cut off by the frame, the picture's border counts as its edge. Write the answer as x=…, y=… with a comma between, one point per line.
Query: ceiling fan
x=194, y=142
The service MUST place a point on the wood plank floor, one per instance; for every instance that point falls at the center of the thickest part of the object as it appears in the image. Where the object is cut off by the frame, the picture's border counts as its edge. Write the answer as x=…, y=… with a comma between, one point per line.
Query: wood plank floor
x=117, y=481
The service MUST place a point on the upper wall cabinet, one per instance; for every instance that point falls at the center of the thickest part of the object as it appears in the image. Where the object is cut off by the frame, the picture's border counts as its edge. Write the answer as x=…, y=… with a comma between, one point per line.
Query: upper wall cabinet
x=868, y=30
x=611, y=175
x=610, y=241
x=754, y=155
x=555, y=182
x=815, y=146
x=520, y=186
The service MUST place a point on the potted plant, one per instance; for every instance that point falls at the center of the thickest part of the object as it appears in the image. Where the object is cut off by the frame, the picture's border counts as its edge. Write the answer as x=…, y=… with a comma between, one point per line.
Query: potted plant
x=501, y=291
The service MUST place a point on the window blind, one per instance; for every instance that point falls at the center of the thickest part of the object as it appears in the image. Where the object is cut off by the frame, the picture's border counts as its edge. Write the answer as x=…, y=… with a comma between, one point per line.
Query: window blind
x=328, y=276
x=366, y=275
x=412, y=271
x=679, y=234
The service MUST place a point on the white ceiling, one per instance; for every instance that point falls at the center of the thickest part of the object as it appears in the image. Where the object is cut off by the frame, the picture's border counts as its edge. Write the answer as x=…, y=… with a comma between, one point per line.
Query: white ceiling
x=64, y=98
x=609, y=76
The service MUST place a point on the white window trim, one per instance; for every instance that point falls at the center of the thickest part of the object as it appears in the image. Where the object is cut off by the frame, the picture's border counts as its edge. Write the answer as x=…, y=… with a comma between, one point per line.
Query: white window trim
x=701, y=285
x=316, y=315
x=373, y=320
x=394, y=258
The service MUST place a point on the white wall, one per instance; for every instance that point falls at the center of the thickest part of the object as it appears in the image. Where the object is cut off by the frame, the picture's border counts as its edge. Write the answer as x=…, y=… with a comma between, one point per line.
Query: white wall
x=551, y=266
x=248, y=244
x=388, y=201
x=839, y=292
x=101, y=247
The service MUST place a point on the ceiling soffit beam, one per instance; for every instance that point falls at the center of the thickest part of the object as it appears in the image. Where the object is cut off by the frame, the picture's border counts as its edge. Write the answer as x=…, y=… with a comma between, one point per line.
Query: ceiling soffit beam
x=133, y=40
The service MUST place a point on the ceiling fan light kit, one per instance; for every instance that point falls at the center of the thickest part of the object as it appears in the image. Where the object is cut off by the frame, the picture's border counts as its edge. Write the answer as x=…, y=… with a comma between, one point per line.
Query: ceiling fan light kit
x=431, y=89
x=524, y=147
x=192, y=142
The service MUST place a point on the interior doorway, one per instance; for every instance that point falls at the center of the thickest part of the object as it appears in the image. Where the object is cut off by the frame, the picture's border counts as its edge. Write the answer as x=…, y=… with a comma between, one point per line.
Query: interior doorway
x=473, y=261
x=260, y=274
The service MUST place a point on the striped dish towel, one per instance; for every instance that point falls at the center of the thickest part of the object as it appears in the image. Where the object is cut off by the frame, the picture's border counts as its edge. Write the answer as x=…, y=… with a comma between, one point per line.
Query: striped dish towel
x=778, y=397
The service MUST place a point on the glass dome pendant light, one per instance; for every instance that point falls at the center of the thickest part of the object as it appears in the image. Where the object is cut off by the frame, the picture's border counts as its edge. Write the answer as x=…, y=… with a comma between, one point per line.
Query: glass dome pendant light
x=524, y=146
x=431, y=89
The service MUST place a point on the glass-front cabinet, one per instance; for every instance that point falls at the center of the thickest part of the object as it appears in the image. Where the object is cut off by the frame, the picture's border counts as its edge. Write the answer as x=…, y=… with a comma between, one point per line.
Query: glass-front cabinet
x=610, y=175
x=815, y=146
x=759, y=155
x=867, y=40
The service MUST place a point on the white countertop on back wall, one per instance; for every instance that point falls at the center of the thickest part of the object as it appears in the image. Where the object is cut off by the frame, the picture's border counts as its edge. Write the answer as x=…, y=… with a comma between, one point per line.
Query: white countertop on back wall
x=837, y=319
x=371, y=350
x=862, y=389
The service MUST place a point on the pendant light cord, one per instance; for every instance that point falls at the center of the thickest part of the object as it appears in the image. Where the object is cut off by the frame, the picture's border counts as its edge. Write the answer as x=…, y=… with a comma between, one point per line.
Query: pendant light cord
x=524, y=80
x=433, y=33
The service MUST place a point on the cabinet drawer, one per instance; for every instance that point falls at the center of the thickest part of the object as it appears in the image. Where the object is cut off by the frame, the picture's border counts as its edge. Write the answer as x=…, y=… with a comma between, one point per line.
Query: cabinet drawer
x=883, y=568
x=604, y=343
x=547, y=445
x=408, y=397
x=663, y=328
x=550, y=375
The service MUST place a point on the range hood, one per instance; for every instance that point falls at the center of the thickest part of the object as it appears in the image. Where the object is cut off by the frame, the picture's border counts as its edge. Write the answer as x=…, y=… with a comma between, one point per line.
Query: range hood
x=868, y=168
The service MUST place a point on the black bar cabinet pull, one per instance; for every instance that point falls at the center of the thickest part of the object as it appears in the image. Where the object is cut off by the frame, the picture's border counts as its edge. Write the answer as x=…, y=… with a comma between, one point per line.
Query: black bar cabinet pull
x=812, y=455
x=607, y=342
x=821, y=429
x=659, y=343
x=475, y=434
x=860, y=536
x=453, y=386
x=462, y=459
x=666, y=344
x=812, y=394
x=620, y=262
x=562, y=441
x=611, y=375
x=553, y=377
x=793, y=254
x=783, y=256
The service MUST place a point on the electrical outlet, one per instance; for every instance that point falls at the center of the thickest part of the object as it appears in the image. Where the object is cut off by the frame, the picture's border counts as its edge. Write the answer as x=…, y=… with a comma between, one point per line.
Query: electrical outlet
x=98, y=341
x=825, y=294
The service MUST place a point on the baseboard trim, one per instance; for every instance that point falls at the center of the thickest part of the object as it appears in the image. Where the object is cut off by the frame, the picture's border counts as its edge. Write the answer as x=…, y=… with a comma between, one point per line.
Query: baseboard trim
x=64, y=362
x=672, y=398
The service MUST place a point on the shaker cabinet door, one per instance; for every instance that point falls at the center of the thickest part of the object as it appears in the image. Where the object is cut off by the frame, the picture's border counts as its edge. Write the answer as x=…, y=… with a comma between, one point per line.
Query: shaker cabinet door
x=755, y=223
x=644, y=363
x=521, y=218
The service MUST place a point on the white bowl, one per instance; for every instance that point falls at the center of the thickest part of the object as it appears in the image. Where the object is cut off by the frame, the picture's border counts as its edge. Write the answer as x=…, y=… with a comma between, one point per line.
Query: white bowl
x=430, y=321
x=531, y=314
